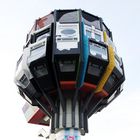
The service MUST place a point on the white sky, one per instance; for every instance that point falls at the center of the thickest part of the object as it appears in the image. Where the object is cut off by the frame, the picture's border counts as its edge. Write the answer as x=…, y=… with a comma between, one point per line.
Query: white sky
x=121, y=119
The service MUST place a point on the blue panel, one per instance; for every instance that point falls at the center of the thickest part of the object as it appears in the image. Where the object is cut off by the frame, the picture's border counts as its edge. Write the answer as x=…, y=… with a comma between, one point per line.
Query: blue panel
x=85, y=53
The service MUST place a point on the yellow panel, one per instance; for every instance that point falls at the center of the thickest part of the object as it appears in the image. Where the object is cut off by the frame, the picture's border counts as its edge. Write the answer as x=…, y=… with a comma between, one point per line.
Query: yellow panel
x=108, y=70
x=105, y=37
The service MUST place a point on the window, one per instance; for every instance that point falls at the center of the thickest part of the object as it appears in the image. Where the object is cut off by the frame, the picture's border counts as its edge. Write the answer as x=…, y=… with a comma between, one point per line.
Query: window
x=98, y=37
x=92, y=32
x=88, y=33
x=68, y=31
x=96, y=24
x=91, y=20
x=24, y=80
x=117, y=62
x=40, y=70
x=42, y=36
x=38, y=50
x=98, y=50
x=112, y=80
x=68, y=16
x=44, y=21
x=42, y=33
x=94, y=69
x=67, y=66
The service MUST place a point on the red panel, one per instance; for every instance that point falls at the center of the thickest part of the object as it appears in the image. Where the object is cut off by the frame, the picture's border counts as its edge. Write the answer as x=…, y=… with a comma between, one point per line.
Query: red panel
x=44, y=21
x=70, y=85
x=41, y=22
x=101, y=94
x=37, y=118
x=87, y=88
x=67, y=85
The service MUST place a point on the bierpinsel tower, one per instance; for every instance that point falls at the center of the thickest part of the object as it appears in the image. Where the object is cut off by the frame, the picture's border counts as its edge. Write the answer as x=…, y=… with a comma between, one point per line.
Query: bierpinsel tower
x=68, y=71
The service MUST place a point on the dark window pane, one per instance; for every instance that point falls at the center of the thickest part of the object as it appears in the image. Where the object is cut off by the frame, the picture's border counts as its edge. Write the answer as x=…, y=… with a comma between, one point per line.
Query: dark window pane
x=98, y=51
x=44, y=21
x=24, y=80
x=94, y=69
x=40, y=70
x=42, y=36
x=98, y=37
x=67, y=66
x=68, y=31
x=91, y=20
x=88, y=33
x=112, y=79
x=64, y=17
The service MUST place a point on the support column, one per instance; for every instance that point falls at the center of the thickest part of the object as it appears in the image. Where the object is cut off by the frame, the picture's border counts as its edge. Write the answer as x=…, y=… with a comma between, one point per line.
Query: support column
x=65, y=117
x=67, y=131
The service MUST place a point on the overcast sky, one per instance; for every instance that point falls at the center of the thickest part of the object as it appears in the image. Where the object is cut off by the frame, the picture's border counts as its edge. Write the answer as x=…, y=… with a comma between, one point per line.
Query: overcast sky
x=121, y=119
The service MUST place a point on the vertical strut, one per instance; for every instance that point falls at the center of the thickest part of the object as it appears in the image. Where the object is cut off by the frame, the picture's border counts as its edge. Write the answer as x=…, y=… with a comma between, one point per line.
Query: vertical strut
x=90, y=112
x=61, y=97
x=44, y=107
x=73, y=106
x=87, y=102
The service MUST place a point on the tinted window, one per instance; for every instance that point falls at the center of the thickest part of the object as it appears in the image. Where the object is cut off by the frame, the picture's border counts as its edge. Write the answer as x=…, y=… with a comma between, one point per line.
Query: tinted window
x=112, y=80
x=94, y=69
x=88, y=33
x=97, y=37
x=42, y=36
x=65, y=16
x=68, y=31
x=40, y=70
x=44, y=21
x=24, y=80
x=97, y=49
x=67, y=66
x=91, y=20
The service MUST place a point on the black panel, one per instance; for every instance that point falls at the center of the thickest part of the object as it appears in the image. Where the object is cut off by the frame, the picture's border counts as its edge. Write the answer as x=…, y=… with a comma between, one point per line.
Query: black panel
x=65, y=56
x=114, y=81
x=41, y=68
x=97, y=62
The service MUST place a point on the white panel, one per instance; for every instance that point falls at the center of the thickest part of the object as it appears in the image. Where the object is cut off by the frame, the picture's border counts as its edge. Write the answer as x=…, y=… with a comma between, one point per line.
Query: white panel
x=77, y=115
x=66, y=46
x=69, y=113
x=37, y=50
x=29, y=111
x=60, y=117
x=67, y=36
